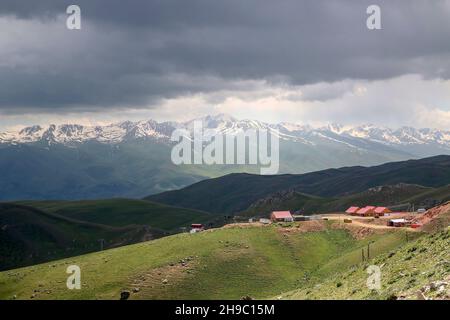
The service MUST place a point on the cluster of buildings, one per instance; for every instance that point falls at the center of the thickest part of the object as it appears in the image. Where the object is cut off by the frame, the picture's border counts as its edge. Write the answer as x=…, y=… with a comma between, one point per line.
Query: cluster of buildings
x=286, y=216
x=372, y=211
x=283, y=216
x=368, y=211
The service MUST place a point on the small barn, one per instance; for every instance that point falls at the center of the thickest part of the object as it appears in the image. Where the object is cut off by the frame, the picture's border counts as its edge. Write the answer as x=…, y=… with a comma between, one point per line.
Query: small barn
x=380, y=211
x=366, y=211
x=264, y=221
x=352, y=210
x=197, y=227
x=281, y=216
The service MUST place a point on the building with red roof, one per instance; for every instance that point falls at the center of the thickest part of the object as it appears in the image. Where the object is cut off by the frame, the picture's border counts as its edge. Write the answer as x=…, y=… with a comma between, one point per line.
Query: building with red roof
x=281, y=216
x=379, y=211
x=352, y=210
x=366, y=211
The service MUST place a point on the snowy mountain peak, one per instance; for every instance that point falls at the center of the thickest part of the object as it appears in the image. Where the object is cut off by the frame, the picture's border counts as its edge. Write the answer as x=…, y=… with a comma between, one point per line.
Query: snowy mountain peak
x=223, y=123
x=335, y=128
x=30, y=130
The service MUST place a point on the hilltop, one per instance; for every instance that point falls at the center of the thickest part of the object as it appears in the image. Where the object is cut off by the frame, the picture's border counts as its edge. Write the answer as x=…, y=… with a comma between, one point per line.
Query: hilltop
x=237, y=192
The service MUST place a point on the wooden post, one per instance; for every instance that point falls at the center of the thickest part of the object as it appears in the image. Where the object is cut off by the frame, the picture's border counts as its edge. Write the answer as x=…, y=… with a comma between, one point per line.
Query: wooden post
x=101, y=243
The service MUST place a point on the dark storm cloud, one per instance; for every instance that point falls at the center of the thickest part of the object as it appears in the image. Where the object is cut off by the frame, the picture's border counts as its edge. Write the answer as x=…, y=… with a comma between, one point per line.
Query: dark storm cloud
x=131, y=53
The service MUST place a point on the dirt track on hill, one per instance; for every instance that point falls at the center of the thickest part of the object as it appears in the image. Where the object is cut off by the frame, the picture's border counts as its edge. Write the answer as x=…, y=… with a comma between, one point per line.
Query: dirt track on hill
x=433, y=213
x=366, y=223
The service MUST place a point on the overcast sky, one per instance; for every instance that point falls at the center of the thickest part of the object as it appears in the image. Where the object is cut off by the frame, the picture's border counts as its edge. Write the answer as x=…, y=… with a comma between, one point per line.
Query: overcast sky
x=285, y=60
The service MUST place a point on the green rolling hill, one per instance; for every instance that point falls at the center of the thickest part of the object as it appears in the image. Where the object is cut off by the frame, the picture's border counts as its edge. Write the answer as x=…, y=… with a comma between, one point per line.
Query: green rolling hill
x=225, y=263
x=122, y=212
x=38, y=231
x=237, y=192
x=391, y=195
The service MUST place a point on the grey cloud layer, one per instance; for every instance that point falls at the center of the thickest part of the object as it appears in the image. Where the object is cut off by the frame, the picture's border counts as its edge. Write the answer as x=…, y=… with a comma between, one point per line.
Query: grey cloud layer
x=131, y=53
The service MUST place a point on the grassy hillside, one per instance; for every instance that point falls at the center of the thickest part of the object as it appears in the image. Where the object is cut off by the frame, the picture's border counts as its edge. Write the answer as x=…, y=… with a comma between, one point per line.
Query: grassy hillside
x=382, y=196
x=417, y=266
x=33, y=232
x=225, y=263
x=122, y=212
x=236, y=192
x=30, y=236
x=420, y=265
x=287, y=200
x=431, y=196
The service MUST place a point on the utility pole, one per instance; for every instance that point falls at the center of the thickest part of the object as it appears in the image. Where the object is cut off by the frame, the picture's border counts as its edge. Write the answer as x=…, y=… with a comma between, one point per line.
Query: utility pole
x=368, y=249
x=102, y=241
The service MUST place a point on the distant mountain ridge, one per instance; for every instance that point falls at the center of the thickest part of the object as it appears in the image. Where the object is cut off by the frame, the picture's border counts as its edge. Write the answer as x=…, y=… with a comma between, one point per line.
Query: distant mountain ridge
x=122, y=131
x=237, y=192
x=133, y=159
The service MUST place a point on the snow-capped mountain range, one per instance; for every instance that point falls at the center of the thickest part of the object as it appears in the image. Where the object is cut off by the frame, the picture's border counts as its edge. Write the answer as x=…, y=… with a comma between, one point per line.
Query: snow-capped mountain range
x=123, y=131
x=133, y=158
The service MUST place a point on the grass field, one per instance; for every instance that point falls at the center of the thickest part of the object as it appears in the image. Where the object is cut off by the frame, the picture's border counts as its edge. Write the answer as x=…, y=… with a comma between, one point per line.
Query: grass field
x=225, y=263
x=403, y=273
